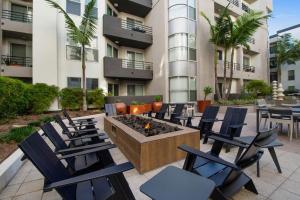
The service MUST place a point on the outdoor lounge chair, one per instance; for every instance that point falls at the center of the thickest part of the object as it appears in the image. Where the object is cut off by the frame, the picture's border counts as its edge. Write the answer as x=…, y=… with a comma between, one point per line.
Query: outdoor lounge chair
x=232, y=124
x=161, y=113
x=107, y=183
x=79, y=121
x=207, y=120
x=110, y=110
x=229, y=177
x=177, y=112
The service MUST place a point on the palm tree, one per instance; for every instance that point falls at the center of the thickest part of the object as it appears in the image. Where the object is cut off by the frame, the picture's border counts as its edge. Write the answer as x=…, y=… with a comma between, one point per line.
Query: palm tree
x=241, y=32
x=287, y=51
x=218, y=34
x=82, y=35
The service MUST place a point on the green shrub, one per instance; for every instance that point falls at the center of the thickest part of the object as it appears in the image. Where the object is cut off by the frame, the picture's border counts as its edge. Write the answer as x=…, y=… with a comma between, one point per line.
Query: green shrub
x=41, y=121
x=258, y=88
x=17, y=134
x=71, y=98
x=41, y=97
x=134, y=103
x=207, y=91
x=96, y=98
x=13, y=99
x=157, y=98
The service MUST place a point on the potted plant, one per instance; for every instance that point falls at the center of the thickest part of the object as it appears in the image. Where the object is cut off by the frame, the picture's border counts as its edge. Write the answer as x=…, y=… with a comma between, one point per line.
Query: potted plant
x=120, y=107
x=202, y=104
x=156, y=105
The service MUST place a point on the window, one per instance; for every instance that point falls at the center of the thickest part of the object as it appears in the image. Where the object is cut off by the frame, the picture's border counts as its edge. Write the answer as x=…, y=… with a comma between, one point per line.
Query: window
x=18, y=55
x=192, y=13
x=179, y=43
x=178, y=40
x=220, y=54
x=135, y=90
x=174, y=2
x=291, y=75
x=178, y=53
x=91, y=83
x=73, y=53
x=179, y=89
x=22, y=13
x=110, y=11
x=272, y=49
x=192, y=54
x=91, y=55
x=178, y=11
x=113, y=89
x=193, y=89
x=135, y=60
x=111, y=51
x=74, y=82
x=246, y=61
x=95, y=9
x=291, y=88
x=73, y=7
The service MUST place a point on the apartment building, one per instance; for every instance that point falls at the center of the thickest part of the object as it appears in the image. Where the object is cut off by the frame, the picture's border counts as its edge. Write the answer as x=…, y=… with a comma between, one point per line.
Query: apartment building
x=289, y=73
x=144, y=47
x=16, y=39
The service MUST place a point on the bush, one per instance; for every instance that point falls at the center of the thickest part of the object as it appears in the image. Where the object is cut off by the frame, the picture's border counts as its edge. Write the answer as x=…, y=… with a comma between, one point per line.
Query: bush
x=71, y=98
x=96, y=98
x=13, y=99
x=41, y=97
x=258, y=88
x=41, y=121
x=17, y=134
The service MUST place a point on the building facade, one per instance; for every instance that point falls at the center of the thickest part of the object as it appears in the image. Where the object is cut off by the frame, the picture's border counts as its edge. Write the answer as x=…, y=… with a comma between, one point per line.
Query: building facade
x=290, y=73
x=142, y=47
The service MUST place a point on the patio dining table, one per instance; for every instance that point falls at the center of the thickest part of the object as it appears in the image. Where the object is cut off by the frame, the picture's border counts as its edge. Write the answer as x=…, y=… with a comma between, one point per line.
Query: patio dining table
x=295, y=110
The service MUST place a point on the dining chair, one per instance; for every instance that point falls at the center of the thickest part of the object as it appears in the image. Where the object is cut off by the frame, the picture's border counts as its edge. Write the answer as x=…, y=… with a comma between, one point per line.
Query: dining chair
x=283, y=116
x=261, y=103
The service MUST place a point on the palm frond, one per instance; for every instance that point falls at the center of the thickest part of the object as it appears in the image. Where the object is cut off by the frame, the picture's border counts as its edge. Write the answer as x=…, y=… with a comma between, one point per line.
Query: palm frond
x=88, y=24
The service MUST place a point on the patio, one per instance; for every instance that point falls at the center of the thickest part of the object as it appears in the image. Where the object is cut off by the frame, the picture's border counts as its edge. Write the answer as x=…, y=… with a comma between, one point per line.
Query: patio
x=28, y=182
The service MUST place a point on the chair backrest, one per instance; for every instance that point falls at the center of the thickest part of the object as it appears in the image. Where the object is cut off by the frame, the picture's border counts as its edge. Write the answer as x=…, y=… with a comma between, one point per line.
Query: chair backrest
x=66, y=114
x=261, y=102
x=60, y=122
x=54, y=136
x=162, y=112
x=233, y=116
x=210, y=112
x=178, y=109
x=43, y=158
x=250, y=155
x=275, y=112
x=110, y=109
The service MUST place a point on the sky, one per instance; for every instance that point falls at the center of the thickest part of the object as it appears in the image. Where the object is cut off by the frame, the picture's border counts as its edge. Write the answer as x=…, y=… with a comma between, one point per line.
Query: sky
x=286, y=13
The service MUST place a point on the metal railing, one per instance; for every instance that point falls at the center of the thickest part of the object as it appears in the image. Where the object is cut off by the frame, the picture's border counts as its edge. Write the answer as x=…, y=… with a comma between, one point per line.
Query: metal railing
x=248, y=68
x=234, y=2
x=16, y=61
x=129, y=25
x=245, y=8
x=17, y=16
x=236, y=66
x=134, y=64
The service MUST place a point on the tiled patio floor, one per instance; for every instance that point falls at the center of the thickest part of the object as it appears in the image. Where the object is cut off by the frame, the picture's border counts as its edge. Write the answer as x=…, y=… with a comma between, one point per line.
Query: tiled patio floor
x=28, y=182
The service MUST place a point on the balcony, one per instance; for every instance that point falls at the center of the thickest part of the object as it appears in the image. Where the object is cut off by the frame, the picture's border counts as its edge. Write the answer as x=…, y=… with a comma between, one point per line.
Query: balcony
x=248, y=68
x=16, y=21
x=234, y=2
x=236, y=69
x=135, y=7
x=127, y=69
x=125, y=33
x=245, y=8
x=16, y=66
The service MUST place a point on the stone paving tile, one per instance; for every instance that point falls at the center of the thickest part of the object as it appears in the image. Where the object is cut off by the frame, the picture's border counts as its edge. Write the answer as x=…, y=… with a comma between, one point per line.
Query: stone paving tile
x=28, y=182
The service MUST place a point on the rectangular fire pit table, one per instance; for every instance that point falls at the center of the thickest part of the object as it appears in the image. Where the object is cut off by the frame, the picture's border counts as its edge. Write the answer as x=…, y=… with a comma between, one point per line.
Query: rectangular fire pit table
x=148, y=153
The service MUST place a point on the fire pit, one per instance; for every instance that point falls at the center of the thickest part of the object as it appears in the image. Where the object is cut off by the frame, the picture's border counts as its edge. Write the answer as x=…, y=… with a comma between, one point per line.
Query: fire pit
x=149, y=143
x=146, y=126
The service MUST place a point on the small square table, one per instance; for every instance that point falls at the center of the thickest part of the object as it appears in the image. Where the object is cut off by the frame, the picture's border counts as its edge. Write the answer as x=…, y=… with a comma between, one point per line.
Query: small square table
x=173, y=183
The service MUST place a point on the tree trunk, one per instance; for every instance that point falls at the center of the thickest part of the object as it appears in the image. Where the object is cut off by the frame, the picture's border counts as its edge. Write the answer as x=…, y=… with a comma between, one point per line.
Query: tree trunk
x=84, y=106
x=224, y=74
x=231, y=73
x=279, y=74
x=217, y=89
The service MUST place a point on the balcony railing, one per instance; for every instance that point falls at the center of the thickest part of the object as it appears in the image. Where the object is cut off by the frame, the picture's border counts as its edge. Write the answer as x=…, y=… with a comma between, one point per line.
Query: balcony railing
x=248, y=68
x=234, y=2
x=236, y=66
x=16, y=61
x=17, y=16
x=245, y=8
x=128, y=25
x=134, y=64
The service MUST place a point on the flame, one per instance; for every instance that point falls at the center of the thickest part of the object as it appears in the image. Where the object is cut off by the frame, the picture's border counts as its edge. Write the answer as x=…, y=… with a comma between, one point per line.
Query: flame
x=147, y=126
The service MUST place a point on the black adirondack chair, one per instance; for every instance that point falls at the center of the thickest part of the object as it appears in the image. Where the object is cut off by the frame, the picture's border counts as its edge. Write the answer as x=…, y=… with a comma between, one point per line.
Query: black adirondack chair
x=110, y=109
x=264, y=141
x=207, y=120
x=229, y=177
x=75, y=132
x=108, y=183
x=176, y=113
x=79, y=121
x=232, y=124
x=162, y=112
x=81, y=162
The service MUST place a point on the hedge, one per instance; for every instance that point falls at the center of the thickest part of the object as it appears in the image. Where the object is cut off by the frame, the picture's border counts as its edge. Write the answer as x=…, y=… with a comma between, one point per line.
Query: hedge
x=71, y=98
x=96, y=98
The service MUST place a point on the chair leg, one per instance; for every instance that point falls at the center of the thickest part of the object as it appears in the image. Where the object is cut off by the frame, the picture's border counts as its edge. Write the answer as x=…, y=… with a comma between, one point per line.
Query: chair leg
x=257, y=169
x=251, y=187
x=291, y=127
x=218, y=195
x=265, y=123
x=274, y=157
x=238, y=155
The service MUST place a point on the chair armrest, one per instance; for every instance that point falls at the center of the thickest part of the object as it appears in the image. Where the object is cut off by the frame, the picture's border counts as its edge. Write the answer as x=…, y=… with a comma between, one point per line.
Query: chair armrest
x=101, y=137
x=209, y=120
x=85, y=122
x=226, y=140
x=78, y=125
x=237, y=125
x=207, y=156
x=83, y=130
x=94, y=150
x=84, y=119
x=68, y=150
x=90, y=176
